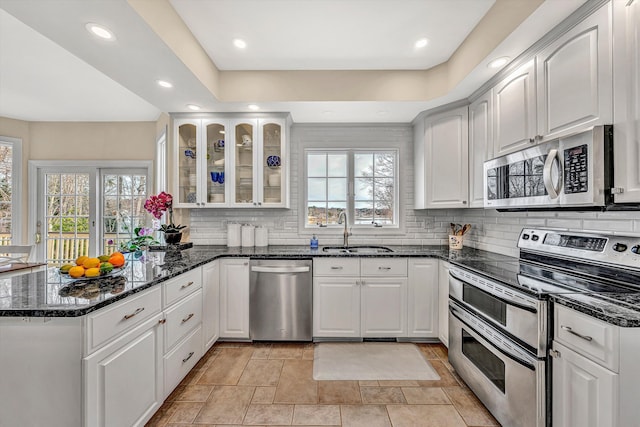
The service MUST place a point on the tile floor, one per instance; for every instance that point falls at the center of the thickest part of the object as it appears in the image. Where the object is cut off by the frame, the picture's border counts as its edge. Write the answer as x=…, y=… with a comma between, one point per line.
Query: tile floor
x=271, y=384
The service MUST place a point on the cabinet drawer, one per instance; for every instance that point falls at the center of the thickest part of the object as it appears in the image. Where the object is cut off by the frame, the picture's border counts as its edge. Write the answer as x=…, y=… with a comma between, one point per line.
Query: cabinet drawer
x=181, y=318
x=182, y=359
x=181, y=286
x=597, y=340
x=107, y=323
x=336, y=267
x=377, y=267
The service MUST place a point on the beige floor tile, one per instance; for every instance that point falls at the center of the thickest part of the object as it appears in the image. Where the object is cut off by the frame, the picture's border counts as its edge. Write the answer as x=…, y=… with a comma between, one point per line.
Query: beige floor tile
x=307, y=353
x=446, y=379
x=296, y=391
x=424, y=416
x=441, y=351
x=191, y=393
x=427, y=350
x=364, y=416
x=161, y=417
x=339, y=392
x=185, y=412
x=227, y=368
x=398, y=383
x=192, y=377
x=226, y=405
x=268, y=415
x=368, y=383
x=286, y=351
x=264, y=395
x=261, y=353
x=316, y=415
x=382, y=395
x=425, y=396
x=472, y=410
x=297, y=369
x=261, y=372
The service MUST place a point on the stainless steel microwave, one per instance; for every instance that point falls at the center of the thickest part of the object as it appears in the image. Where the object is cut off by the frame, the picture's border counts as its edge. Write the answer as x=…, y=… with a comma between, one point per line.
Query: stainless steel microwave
x=570, y=172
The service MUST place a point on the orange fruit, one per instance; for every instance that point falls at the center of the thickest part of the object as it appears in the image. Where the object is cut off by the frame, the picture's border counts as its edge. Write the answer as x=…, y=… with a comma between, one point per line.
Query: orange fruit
x=77, y=271
x=91, y=263
x=117, y=260
x=81, y=259
x=92, y=272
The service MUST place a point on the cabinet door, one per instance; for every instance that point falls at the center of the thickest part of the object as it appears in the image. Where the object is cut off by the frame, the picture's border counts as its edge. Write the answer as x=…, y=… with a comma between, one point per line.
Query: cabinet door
x=443, y=302
x=584, y=393
x=214, y=161
x=446, y=153
x=574, y=78
x=210, y=303
x=336, y=307
x=480, y=146
x=123, y=380
x=273, y=164
x=188, y=135
x=626, y=80
x=383, y=307
x=244, y=160
x=234, y=298
x=514, y=111
x=423, y=298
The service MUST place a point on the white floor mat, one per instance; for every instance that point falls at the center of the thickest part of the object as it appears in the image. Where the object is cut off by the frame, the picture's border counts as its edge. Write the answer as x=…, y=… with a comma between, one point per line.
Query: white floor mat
x=371, y=361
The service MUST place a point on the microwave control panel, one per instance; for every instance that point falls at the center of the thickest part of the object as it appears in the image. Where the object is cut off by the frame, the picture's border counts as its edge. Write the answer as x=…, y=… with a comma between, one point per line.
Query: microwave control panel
x=576, y=170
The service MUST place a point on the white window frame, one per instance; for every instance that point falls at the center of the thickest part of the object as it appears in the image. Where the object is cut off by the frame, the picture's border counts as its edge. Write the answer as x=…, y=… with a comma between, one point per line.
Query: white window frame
x=161, y=163
x=16, y=188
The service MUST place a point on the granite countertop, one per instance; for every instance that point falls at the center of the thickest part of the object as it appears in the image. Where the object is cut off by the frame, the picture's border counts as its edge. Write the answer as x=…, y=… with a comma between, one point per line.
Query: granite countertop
x=47, y=294
x=620, y=309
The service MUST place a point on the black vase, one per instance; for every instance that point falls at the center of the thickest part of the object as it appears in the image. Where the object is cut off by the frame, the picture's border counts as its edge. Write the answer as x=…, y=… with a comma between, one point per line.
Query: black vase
x=172, y=238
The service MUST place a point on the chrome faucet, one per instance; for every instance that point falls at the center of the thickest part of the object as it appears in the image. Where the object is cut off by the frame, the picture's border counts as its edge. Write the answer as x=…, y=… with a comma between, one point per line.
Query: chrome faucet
x=342, y=218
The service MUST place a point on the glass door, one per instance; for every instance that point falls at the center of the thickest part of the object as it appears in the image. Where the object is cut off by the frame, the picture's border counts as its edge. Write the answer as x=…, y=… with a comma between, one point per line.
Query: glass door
x=187, y=170
x=216, y=163
x=244, y=147
x=272, y=160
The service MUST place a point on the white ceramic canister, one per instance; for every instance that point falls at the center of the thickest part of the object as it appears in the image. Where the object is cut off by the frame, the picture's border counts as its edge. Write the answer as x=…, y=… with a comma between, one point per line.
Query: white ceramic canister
x=262, y=236
x=233, y=235
x=248, y=236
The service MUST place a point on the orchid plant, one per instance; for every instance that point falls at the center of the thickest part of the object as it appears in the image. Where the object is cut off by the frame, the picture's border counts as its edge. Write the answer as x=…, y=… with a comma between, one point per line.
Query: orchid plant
x=158, y=205
x=142, y=240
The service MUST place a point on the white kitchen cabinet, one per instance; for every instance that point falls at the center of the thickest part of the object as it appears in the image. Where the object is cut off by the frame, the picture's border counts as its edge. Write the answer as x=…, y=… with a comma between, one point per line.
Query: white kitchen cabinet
x=210, y=303
x=336, y=307
x=443, y=173
x=480, y=146
x=443, y=302
x=584, y=393
x=422, y=298
x=514, y=110
x=626, y=81
x=574, y=90
x=383, y=307
x=234, y=298
x=123, y=380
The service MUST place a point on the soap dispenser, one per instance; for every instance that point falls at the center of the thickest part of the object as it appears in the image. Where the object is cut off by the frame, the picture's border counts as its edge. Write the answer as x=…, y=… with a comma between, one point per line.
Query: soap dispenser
x=314, y=242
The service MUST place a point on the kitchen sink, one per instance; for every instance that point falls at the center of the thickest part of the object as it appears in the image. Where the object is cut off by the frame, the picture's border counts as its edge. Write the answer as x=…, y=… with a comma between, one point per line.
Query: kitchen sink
x=356, y=250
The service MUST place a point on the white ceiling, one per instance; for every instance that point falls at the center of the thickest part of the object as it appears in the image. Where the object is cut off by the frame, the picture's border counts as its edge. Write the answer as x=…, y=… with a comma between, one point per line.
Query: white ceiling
x=51, y=69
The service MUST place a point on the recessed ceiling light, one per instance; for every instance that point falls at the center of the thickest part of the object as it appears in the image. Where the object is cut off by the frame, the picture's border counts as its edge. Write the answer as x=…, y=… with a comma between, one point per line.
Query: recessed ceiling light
x=328, y=112
x=239, y=43
x=499, y=62
x=253, y=107
x=193, y=107
x=420, y=43
x=100, y=31
x=382, y=112
x=164, y=83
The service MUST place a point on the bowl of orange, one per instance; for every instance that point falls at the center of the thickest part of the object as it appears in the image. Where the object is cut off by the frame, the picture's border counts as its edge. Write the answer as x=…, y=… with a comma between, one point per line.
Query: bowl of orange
x=88, y=268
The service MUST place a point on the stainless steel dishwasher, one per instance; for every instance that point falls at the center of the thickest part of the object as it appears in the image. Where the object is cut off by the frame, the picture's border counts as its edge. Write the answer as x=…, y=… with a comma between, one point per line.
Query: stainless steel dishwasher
x=280, y=298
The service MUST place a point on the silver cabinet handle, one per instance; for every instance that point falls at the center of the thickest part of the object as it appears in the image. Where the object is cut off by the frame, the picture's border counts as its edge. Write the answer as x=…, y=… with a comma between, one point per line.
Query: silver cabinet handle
x=187, y=358
x=186, y=285
x=384, y=268
x=186, y=319
x=572, y=332
x=333, y=267
x=129, y=316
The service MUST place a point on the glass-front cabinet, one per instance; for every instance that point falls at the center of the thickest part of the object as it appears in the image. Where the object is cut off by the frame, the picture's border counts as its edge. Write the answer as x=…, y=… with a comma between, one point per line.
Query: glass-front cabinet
x=236, y=163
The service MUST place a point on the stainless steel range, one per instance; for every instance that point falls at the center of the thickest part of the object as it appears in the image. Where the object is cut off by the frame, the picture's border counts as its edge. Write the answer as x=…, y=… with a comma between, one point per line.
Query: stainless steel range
x=499, y=318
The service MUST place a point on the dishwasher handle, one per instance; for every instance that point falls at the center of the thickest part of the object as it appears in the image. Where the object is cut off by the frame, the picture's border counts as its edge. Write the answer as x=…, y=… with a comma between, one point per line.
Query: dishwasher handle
x=279, y=269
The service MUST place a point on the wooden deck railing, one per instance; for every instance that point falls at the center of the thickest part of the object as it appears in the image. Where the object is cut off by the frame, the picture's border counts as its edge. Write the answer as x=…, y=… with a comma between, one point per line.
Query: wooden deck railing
x=65, y=248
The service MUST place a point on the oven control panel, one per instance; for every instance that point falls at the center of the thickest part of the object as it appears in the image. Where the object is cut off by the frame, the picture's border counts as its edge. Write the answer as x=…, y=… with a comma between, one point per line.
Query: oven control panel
x=602, y=248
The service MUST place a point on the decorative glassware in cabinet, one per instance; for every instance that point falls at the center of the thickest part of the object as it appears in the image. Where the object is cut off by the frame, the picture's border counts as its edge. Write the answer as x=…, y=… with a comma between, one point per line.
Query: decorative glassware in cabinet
x=244, y=146
x=215, y=163
x=272, y=163
x=187, y=164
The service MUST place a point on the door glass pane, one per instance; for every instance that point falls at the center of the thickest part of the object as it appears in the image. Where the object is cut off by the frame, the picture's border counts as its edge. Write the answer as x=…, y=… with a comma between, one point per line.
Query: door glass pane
x=491, y=365
x=272, y=163
x=187, y=163
x=6, y=182
x=244, y=163
x=216, y=163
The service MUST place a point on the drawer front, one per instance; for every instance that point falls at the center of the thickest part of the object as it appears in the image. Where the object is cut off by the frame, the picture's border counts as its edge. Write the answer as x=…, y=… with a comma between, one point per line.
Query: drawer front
x=336, y=267
x=597, y=340
x=181, y=286
x=382, y=267
x=182, y=359
x=182, y=318
x=111, y=321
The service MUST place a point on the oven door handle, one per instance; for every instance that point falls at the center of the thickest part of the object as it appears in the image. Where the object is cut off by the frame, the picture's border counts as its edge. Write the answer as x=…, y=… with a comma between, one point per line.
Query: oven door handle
x=552, y=188
x=453, y=309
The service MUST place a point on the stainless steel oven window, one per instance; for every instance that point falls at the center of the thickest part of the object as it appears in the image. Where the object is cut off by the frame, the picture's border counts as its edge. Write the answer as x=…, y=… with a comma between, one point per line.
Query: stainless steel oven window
x=488, y=363
x=486, y=303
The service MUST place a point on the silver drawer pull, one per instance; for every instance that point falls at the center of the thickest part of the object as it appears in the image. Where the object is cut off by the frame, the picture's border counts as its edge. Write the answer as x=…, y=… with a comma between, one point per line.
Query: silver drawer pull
x=187, y=358
x=186, y=286
x=138, y=311
x=384, y=268
x=186, y=319
x=333, y=267
x=571, y=331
